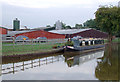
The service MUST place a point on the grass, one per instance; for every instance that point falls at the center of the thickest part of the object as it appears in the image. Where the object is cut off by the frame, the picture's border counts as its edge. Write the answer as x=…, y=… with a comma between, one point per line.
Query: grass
x=114, y=40
x=6, y=43
x=24, y=49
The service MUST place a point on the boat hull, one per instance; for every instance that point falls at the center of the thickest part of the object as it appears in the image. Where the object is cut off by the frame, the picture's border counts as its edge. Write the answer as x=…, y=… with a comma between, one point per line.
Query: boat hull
x=79, y=48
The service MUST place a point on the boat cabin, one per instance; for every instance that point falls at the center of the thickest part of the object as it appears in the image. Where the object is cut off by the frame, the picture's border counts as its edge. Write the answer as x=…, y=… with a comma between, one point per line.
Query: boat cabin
x=87, y=42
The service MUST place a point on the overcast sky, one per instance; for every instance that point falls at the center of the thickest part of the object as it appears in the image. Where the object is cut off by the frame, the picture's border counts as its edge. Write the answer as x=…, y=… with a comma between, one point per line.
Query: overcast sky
x=39, y=13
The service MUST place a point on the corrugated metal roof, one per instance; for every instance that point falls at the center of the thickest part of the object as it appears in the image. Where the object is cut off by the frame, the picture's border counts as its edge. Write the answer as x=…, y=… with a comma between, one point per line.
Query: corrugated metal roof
x=41, y=28
x=3, y=27
x=68, y=31
x=12, y=33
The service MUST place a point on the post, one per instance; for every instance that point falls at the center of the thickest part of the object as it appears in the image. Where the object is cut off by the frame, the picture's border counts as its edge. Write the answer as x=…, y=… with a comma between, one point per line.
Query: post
x=23, y=45
x=13, y=67
x=39, y=62
x=32, y=43
x=52, y=59
x=46, y=60
x=58, y=58
x=31, y=63
x=13, y=43
x=23, y=65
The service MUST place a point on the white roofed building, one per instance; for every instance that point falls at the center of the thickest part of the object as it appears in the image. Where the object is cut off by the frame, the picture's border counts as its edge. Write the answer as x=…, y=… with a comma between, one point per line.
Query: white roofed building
x=58, y=25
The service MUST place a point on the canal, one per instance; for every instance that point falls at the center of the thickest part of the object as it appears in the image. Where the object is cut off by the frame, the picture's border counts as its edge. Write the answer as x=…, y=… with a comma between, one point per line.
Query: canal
x=96, y=65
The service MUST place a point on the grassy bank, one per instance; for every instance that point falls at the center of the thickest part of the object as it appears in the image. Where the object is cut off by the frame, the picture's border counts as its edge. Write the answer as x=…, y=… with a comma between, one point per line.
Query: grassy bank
x=114, y=40
x=24, y=49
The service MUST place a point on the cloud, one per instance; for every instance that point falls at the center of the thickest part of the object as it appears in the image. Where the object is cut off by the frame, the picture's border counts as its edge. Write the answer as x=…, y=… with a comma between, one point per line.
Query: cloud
x=107, y=1
x=56, y=3
x=48, y=3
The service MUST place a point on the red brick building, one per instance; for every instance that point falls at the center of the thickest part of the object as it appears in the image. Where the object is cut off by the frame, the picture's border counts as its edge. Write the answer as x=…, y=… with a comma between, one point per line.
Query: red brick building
x=85, y=33
x=41, y=33
x=3, y=30
x=91, y=34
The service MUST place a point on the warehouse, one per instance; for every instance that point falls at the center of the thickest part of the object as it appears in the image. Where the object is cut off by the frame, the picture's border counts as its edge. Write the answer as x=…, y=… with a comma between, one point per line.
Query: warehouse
x=41, y=33
x=86, y=33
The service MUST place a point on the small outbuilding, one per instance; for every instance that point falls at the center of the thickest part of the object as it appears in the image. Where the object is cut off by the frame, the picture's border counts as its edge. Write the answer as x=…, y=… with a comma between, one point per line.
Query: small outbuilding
x=3, y=30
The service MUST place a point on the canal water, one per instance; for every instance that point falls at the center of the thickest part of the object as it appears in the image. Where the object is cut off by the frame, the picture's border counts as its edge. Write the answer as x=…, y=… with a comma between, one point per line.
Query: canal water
x=96, y=65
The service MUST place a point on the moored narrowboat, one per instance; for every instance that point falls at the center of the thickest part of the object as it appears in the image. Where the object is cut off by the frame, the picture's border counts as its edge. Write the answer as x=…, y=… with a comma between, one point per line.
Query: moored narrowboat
x=84, y=44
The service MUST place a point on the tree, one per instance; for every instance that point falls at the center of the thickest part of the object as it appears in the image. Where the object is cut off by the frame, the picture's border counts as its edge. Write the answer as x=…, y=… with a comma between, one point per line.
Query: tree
x=108, y=20
x=68, y=27
x=78, y=26
x=91, y=24
x=63, y=25
x=48, y=26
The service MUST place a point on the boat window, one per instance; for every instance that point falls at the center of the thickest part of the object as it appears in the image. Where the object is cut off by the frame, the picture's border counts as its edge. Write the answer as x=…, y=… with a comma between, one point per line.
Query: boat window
x=91, y=42
x=86, y=42
x=81, y=43
x=96, y=42
x=100, y=41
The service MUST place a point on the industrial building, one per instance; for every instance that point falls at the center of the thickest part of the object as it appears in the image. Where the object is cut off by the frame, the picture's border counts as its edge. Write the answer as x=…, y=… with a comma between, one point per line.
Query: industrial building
x=41, y=33
x=86, y=33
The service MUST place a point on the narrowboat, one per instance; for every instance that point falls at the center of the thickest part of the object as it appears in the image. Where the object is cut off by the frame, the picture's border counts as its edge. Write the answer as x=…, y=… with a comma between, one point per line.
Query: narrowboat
x=84, y=44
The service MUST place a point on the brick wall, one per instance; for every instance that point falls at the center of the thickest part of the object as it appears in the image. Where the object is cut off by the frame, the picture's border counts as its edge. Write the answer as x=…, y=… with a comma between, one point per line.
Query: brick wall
x=40, y=33
x=3, y=31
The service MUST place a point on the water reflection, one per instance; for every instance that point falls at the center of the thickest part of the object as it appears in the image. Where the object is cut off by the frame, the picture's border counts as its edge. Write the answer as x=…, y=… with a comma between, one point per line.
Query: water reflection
x=97, y=65
x=80, y=59
x=107, y=66
x=75, y=58
x=21, y=66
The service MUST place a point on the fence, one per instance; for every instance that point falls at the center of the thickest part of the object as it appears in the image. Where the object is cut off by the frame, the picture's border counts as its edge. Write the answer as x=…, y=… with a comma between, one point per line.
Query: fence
x=21, y=66
x=10, y=47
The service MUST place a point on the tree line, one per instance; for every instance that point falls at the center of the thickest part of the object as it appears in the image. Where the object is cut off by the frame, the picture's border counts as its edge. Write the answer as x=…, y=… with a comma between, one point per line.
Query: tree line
x=107, y=19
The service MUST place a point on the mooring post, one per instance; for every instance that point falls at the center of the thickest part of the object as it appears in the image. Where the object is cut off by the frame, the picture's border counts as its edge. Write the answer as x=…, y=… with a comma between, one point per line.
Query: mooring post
x=23, y=65
x=39, y=61
x=13, y=67
x=58, y=58
x=46, y=60
x=31, y=63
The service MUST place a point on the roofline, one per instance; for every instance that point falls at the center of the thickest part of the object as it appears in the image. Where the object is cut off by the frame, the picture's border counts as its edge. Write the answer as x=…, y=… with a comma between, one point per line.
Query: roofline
x=3, y=27
x=99, y=30
x=38, y=30
x=73, y=33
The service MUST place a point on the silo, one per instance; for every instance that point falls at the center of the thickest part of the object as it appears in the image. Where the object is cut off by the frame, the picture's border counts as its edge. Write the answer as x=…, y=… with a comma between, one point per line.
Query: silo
x=58, y=25
x=119, y=4
x=16, y=24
